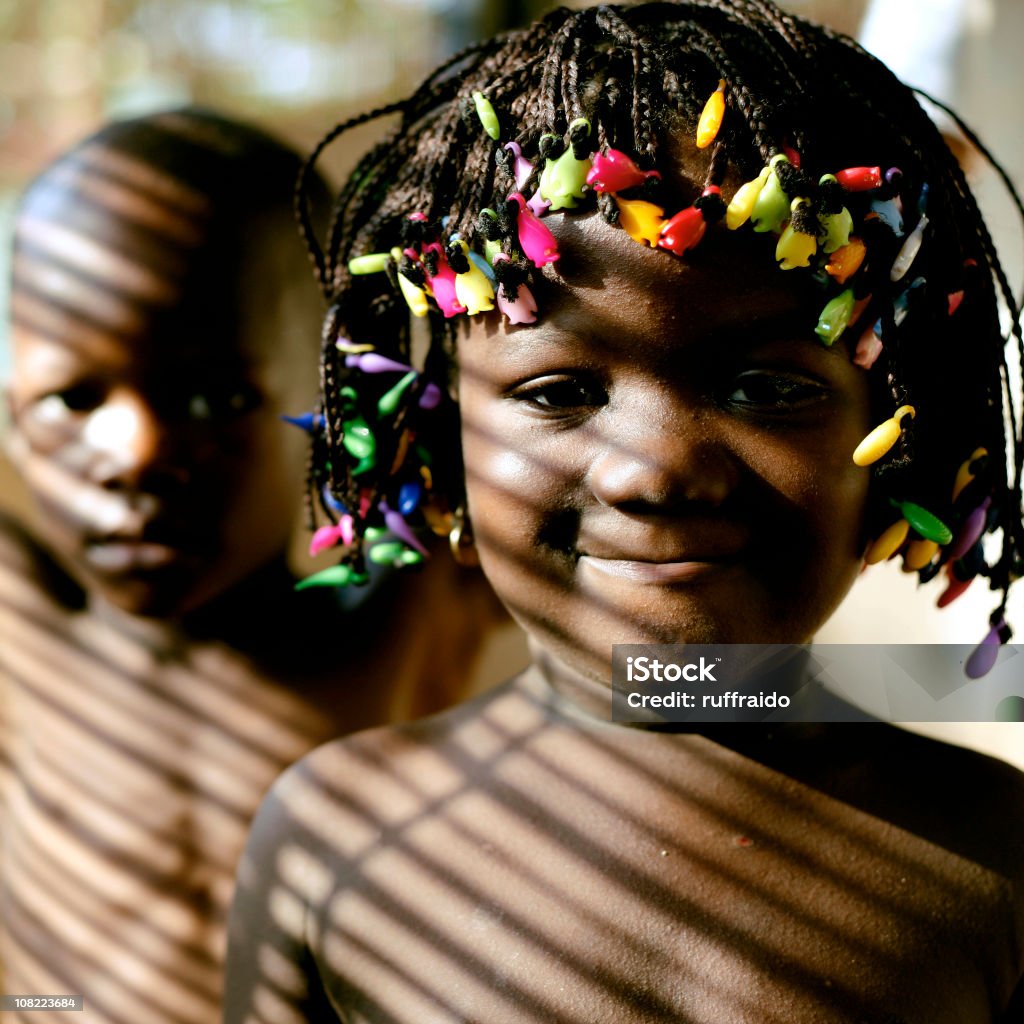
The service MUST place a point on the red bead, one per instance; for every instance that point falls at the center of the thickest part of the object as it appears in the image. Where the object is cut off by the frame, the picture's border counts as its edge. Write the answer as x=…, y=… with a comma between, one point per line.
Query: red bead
x=860, y=179
x=683, y=231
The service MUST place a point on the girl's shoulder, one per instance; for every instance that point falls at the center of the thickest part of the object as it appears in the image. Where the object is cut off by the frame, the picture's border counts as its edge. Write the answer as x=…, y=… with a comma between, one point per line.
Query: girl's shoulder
x=968, y=802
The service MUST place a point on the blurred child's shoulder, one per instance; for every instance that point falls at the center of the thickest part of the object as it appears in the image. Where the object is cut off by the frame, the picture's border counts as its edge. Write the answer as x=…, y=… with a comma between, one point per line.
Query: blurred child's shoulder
x=29, y=573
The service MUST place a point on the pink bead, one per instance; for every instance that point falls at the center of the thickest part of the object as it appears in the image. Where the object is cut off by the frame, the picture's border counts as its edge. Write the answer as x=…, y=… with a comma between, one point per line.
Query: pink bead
x=538, y=204
x=538, y=243
x=522, y=168
x=324, y=538
x=442, y=285
x=614, y=171
x=869, y=348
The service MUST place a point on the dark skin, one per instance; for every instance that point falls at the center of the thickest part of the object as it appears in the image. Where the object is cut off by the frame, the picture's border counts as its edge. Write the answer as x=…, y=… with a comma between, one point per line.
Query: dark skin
x=633, y=475
x=157, y=669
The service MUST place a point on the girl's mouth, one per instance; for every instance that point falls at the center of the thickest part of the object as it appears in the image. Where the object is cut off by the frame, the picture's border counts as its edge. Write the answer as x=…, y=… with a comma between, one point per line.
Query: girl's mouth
x=678, y=570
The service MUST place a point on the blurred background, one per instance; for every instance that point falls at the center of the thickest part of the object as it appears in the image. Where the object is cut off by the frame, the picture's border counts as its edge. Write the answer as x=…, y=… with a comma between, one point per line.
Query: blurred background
x=296, y=67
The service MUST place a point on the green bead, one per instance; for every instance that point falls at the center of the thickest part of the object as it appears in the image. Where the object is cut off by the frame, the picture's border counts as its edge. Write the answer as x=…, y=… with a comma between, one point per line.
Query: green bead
x=372, y=534
x=488, y=118
x=386, y=554
x=835, y=317
x=372, y=263
x=390, y=401
x=358, y=438
x=923, y=522
x=771, y=208
x=334, y=576
x=410, y=557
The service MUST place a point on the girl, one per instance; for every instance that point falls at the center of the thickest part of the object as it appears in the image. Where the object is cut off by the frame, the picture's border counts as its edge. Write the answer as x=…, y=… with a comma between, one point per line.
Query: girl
x=726, y=324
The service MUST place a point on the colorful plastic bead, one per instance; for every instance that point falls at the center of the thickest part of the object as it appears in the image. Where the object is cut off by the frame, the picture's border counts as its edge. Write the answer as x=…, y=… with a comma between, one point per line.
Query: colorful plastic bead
x=641, y=220
x=882, y=438
x=334, y=576
x=845, y=261
x=683, y=231
x=396, y=523
x=614, y=171
x=909, y=250
x=537, y=242
x=919, y=554
x=795, y=248
x=888, y=542
x=415, y=297
x=472, y=288
x=835, y=317
x=967, y=471
x=970, y=531
x=442, y=284
x=389, y=402
x=488, y=118
x=372, y=362
x=564, y=181
x=740, y=207
x=347, y=345
x=954, y=588
x=521, y=310
x=521, y=168
x=711, y=117
x=922, y=521
x=409, y=497
x=985, y=655
x=890, y=213
x=869, y=347
x=860, y=179
x=371, y=263
x=309, y=422
x=771, y=208
x=482, y=265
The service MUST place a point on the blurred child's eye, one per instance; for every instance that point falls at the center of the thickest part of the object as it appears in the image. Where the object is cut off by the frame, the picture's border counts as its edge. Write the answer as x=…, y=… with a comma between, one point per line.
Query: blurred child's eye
x=56, y=405
x=222, y=403
x=561, y=394
x=763, y=391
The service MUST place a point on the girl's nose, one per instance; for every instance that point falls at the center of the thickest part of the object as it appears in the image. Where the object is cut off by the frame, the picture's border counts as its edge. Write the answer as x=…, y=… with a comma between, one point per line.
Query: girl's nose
x=126, y=440
x=660, y=455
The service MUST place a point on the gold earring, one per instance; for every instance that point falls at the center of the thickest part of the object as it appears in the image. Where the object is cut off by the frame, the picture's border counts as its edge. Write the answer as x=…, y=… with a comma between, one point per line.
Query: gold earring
x=460, y=539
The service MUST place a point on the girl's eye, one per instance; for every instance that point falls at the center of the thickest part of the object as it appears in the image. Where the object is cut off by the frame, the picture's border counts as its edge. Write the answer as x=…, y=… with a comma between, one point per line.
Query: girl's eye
x=562, y=394
x=763, y=391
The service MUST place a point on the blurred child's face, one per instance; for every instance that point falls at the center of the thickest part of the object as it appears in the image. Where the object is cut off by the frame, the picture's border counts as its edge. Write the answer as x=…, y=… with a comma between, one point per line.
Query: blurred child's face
x=666, y=455
x=145, y=406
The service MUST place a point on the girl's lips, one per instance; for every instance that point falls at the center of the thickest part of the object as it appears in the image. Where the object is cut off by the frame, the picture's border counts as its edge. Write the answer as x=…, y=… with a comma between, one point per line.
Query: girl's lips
x=680, y=571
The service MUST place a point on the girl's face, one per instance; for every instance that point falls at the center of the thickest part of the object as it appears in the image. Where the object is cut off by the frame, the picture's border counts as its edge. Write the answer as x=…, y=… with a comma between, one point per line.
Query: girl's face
x=665, y=456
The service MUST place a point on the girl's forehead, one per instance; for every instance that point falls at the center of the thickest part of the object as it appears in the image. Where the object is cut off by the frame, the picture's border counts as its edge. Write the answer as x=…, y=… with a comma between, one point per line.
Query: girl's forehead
x=730, y=282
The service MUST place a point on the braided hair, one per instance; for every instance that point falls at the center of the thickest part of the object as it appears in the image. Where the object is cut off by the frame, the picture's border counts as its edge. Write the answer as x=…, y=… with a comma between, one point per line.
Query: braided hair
x=626, y=78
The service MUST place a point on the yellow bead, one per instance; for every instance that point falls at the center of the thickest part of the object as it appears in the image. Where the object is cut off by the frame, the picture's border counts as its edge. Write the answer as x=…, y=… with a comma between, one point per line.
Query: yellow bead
x=919, y=554
x=887, y=543
x=711, y=117
x=741, y=206
x=964, y=475
x=641, y=220
x=882, y=438
x=795, y=248
x=473, y=289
